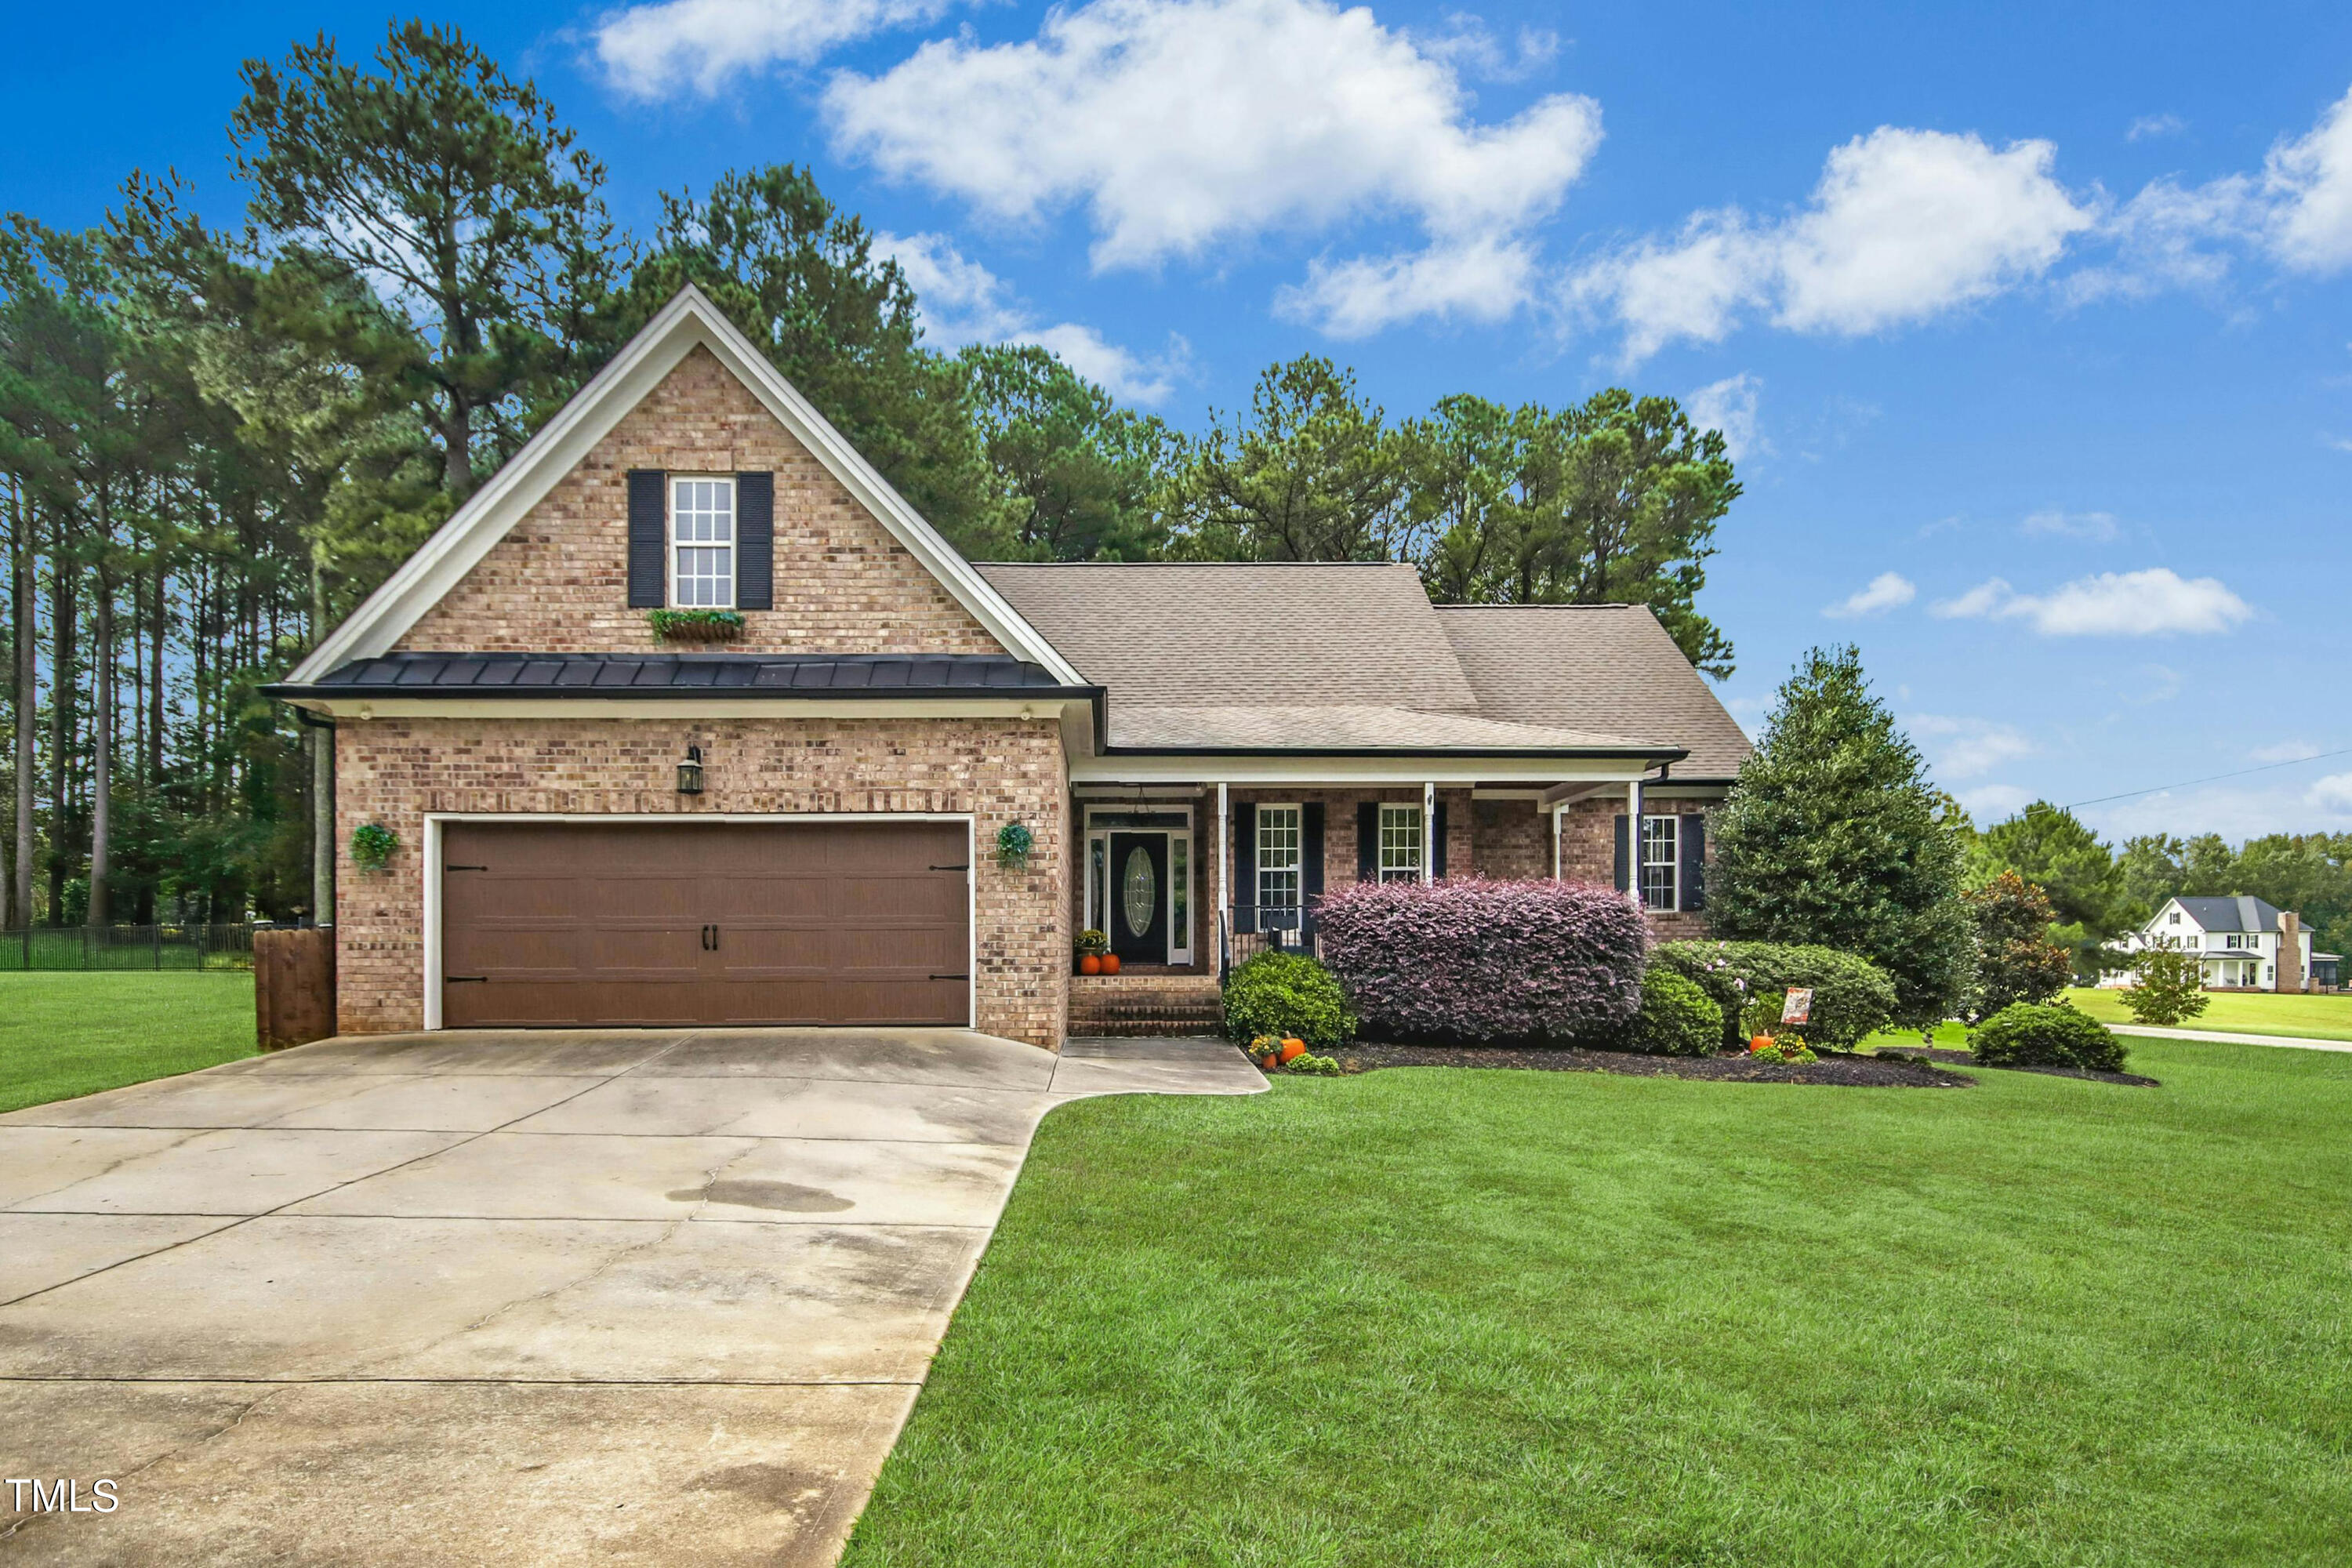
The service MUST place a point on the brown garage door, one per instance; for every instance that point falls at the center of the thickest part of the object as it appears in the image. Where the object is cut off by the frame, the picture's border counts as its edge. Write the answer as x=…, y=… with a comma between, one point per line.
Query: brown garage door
x=836, y=922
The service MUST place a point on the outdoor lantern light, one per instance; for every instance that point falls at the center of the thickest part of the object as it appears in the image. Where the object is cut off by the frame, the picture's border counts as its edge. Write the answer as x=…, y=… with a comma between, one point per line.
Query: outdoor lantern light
x=689, y=772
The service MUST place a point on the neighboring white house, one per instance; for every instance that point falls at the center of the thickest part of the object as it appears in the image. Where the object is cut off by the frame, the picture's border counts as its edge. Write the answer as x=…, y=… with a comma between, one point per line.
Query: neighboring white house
x=2241, y=944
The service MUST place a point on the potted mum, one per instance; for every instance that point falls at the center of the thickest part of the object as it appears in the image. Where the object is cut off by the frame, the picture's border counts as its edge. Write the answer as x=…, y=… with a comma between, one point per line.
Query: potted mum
x=1092, y=946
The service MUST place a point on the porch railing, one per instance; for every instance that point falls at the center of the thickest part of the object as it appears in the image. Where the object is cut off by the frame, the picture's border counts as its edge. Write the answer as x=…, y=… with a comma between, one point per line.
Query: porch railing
x=128, y=947
x=1247, y=930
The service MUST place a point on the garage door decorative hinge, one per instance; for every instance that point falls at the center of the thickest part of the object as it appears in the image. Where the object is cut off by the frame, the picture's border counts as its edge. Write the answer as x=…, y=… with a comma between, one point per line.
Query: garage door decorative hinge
x=952, y=867
x=950, y=976
x=465, y=980
x=464, y=867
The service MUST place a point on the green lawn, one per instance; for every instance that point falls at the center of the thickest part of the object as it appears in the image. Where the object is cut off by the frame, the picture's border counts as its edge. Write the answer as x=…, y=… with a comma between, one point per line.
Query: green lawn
x=2302, y=1017
x=1437, y=1317
x=64, y=1034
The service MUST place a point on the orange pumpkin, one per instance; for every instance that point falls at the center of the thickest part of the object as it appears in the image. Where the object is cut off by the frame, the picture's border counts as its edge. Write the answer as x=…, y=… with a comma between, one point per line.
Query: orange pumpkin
x=1761, y=1042
x=1110, y=964
x=1089, y=964
x=1269, y=1061
x=1292, y=1050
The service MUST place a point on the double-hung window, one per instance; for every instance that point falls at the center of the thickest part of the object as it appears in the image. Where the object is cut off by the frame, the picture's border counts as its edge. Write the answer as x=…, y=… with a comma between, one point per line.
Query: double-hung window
x=1399, y=843
x=702, y=542
x=1277, y=857
x=1660, y=860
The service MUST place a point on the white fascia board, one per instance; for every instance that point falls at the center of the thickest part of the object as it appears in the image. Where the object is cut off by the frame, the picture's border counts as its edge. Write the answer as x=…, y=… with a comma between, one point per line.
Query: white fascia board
x=689, y=321
x=1409, y=768
x=360, y=710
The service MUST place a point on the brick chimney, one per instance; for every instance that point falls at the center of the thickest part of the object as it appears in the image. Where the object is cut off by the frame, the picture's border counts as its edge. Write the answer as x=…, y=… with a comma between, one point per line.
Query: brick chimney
x=2289, y=968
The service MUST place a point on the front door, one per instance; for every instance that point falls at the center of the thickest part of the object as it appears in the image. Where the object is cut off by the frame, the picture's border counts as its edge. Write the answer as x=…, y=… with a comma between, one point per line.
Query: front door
x=1138, y=896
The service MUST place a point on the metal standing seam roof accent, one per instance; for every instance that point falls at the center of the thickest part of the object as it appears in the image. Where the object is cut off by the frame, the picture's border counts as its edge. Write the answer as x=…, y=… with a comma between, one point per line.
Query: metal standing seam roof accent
x=637, y=674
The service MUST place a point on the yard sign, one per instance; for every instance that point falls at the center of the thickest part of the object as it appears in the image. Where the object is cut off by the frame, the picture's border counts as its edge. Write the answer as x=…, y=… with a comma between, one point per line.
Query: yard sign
x=1799, y=1006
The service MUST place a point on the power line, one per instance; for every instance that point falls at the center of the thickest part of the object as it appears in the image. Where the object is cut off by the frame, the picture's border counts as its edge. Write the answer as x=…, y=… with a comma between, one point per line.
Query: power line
x=2209, y=778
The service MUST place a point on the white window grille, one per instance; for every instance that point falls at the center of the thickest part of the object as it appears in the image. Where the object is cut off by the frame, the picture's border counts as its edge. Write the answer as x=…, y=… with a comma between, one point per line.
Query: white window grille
x=1399, y=843
x=1661, y=841
x=702, y=543
x=1277, y=857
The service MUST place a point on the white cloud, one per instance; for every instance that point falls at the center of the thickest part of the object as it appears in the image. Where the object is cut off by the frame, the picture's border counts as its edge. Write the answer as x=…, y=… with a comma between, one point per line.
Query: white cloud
x=2169, y=235
x=1184, y=128
x=1989, y=804
x=1729, y=406
x=2285, y=751
x=2309, y=183
x=2152, y=603
x=2098, y=527
x=1963, y=747
x=2149, y=125
x=1888, y=591
x=963, y=303
x=2333, y=793
x=656, y=51
x=1904, y=226
x=1481, y=281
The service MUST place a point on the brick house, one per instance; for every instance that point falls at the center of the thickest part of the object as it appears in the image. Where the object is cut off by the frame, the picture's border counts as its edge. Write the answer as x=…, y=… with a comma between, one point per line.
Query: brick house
x=805, y=823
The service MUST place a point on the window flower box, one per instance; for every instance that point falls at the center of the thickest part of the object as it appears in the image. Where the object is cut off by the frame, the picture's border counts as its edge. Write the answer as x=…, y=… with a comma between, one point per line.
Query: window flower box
x=696, y=626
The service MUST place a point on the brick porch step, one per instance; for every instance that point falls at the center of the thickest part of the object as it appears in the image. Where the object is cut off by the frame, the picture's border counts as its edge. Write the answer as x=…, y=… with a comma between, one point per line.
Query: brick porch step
x=1154, y=1002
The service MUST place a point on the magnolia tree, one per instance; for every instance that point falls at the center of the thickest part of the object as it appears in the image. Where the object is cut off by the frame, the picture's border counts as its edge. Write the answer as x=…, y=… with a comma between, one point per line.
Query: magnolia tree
x=1833, y=837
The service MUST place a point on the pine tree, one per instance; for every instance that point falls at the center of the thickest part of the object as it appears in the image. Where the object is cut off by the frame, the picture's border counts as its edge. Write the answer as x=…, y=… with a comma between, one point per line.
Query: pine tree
x=1833, y=835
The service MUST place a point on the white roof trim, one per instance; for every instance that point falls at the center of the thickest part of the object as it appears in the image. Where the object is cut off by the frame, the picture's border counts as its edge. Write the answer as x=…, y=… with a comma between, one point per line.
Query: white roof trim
x=688, y=321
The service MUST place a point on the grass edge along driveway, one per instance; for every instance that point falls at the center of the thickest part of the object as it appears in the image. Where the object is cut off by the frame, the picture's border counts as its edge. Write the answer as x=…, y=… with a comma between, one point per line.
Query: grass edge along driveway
x=74, y=1032
x=1440, y=1316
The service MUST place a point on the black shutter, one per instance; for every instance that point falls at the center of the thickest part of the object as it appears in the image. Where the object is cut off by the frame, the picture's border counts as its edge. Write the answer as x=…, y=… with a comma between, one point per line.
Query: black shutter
x=1624, y=855
x=648, y=572
x=755, y=541
x=1367, y=841
x=1246, y=867
x=1437, y=846
x=1694, y=853
x=1310, y=861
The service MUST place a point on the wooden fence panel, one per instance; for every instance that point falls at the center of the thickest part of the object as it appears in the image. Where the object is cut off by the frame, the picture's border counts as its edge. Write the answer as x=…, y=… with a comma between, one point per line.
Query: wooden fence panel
x=293, y=986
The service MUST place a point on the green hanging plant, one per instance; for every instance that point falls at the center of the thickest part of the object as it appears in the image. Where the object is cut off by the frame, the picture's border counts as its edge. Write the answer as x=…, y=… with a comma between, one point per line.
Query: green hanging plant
x=1013, y=843
x=371, y=845
x=695, y=625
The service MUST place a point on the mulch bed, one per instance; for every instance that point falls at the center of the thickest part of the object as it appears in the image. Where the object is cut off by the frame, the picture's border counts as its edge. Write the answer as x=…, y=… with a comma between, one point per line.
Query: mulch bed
x=1944, y=1056
x=1830, y=1069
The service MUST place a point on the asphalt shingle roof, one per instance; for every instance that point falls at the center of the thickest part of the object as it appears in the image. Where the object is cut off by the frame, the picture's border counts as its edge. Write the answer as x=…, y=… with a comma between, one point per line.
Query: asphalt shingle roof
x=1339, y=654
x=2241, y=912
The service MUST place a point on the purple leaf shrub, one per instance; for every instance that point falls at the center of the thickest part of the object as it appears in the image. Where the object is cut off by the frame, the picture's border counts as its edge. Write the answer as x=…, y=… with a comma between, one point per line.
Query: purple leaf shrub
x=1473, y=962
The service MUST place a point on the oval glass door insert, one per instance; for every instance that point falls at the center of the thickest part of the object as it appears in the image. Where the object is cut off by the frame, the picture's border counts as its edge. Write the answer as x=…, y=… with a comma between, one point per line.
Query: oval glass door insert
x=1138, y=891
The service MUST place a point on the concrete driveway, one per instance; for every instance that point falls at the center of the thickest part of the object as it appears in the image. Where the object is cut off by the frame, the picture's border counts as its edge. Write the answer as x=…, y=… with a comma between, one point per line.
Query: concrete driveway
x=629, y=1295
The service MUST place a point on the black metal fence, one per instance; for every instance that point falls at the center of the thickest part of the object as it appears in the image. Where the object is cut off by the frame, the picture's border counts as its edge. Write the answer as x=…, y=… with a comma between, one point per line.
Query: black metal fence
x=128, y=947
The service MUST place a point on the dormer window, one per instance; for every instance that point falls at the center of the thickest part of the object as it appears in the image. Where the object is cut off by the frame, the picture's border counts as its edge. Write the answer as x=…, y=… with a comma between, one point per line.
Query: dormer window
x=702, y=541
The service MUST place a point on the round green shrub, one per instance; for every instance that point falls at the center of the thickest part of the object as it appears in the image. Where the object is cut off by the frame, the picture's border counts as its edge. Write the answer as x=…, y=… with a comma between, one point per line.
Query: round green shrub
x=1287, y=994
x=1678, y=1018
x=2034, y=1035
x=1852, y=997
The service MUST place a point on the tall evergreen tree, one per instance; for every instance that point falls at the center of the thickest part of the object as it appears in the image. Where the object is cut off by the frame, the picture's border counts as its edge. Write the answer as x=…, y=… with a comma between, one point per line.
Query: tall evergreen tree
x=1078, y=473
x=1833, y=835
x=1311, y=475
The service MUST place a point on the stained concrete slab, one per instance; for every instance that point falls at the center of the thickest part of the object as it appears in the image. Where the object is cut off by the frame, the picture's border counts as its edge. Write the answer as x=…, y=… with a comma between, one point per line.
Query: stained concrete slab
x=233, y=1171
x=528, y=1175
x=514, y=1297
x=953, y=1057
x=795, y=1108
x=41, y=1250
x=474, y=1472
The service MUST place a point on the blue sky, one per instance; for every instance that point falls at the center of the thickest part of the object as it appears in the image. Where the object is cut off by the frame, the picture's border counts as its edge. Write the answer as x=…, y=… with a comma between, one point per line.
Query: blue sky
x=2031, y=328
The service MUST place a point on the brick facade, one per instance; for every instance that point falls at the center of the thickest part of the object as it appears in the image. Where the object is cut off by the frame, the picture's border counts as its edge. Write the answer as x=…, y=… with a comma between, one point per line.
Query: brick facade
x=394, y=771
x=557, y=583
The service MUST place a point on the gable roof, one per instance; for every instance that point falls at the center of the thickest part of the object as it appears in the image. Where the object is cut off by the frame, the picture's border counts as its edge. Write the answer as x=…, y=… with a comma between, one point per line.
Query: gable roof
x=1306, y=656
x=2239, y=913
x=689, y=321
x=1594, y=666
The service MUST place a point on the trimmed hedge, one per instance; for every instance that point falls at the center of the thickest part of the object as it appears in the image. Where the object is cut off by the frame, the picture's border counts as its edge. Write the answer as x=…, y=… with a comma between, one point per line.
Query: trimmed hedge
x=1290, y=994
x=2029, y=1034
x=1474, y=962
x=1678, y=1018
x=1852, y=996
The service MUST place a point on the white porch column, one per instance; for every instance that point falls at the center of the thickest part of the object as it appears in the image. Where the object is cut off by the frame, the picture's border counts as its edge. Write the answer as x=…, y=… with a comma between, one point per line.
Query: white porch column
x=1555, y=840
x=1634, y=838
x=1428, y=833
x=1224, y=858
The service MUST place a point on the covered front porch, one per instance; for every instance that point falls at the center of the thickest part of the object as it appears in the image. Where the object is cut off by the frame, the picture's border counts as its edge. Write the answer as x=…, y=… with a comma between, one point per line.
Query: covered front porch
x=1188, y=876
